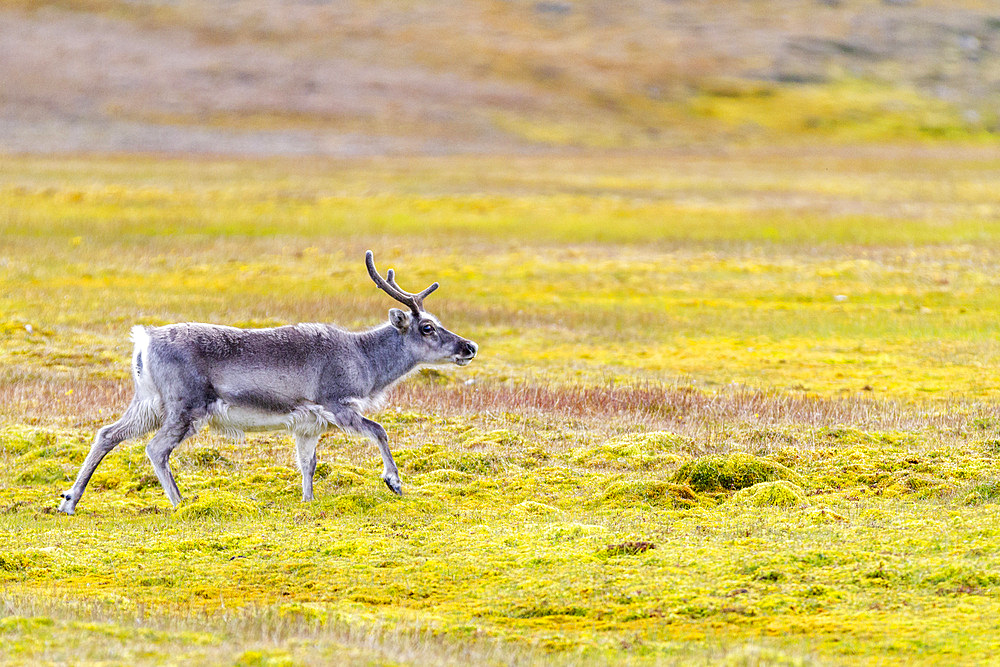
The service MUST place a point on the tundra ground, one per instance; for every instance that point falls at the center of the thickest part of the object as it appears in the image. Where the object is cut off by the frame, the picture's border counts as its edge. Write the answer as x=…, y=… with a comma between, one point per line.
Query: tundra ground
x=727, y=408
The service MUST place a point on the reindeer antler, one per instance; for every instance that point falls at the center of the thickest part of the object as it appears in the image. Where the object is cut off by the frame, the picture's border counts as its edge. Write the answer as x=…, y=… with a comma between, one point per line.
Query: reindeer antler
x=389, y=286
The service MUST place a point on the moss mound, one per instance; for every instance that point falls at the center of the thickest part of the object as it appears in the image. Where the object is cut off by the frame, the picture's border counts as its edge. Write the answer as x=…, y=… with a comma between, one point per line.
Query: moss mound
x=651, y=491
x=771, y=494
x=731, y=472
x=217, y=505
x=358, y=502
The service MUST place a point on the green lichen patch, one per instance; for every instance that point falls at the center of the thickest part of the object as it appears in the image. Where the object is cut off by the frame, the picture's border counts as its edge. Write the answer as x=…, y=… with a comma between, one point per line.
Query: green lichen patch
x=731, y=472
x=770, y=494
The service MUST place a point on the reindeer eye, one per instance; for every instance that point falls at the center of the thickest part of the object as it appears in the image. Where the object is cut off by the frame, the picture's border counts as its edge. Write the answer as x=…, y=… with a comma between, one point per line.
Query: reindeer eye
x=426, y=328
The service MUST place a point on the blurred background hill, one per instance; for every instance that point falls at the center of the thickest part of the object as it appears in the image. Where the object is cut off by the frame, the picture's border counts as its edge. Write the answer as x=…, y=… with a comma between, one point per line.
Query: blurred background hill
x=304, y=77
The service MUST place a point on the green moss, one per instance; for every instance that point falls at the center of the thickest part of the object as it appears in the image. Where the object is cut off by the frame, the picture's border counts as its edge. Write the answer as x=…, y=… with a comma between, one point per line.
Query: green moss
x=731, y=472
x=356, y=502
x=342, y=476
x=770, y=494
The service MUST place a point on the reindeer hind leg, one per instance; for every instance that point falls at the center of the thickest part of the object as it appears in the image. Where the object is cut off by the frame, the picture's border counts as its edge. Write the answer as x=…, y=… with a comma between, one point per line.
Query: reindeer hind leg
x=175, y=430
x=140, y=418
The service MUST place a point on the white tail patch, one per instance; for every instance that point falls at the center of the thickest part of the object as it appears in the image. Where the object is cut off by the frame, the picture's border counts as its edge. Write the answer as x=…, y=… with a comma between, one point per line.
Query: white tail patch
x=145, y=388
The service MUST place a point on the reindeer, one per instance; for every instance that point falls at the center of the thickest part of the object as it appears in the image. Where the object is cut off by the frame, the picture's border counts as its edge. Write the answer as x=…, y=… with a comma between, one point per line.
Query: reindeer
x=304, y=378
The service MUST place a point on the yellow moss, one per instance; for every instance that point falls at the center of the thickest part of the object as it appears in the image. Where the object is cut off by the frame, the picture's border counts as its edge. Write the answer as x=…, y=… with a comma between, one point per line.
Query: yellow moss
x=849, y=109
x=13, y=562
x=498, y=439
x=12, y=624
x=263, y=658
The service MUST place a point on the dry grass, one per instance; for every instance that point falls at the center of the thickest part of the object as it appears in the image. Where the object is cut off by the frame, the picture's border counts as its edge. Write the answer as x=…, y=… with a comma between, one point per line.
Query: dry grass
x=685, y=409
x=646, y=406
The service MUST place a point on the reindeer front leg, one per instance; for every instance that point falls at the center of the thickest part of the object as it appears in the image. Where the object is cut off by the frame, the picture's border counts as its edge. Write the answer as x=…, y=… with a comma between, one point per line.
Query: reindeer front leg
x=351, y=420
x=390, y=475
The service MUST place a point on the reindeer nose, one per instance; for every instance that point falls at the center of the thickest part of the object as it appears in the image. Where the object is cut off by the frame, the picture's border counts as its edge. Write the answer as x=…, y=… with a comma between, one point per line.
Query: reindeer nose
x=469, y=349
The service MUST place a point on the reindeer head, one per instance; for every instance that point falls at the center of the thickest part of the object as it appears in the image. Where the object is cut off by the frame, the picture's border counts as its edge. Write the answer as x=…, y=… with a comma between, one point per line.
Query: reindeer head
x=430, y=341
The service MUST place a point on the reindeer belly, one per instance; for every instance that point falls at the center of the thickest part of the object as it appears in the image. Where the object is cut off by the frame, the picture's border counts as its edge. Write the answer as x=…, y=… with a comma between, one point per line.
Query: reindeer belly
x=238, y=419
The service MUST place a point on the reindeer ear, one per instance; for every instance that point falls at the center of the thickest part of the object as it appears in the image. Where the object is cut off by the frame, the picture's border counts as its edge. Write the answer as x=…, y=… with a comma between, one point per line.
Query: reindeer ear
x=400, y=319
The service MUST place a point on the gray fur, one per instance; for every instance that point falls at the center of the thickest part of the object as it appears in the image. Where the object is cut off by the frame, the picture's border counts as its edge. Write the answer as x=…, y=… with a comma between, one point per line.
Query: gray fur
x=304, y=378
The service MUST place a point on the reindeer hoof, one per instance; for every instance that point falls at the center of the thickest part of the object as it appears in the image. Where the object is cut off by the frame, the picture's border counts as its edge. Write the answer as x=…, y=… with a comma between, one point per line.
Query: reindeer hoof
x=393, y=485
x=67, y=506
